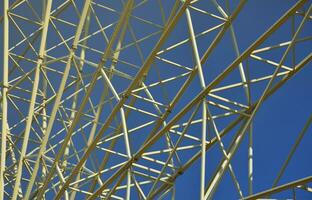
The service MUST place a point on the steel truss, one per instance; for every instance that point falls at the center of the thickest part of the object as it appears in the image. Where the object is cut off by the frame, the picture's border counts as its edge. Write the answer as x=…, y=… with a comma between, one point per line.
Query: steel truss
x=97, y=100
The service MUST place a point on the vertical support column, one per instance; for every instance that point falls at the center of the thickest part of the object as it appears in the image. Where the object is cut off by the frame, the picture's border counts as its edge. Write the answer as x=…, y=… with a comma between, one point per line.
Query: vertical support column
x=122, y=21
x=56, y=105
x=250, y=160
x=4, y=93
x=128, y=191
x=173, y=191
x=33, y=98
x=203, y=150
x=247, y=93
x=235, y=144
x=75, y=100
x=204, y=105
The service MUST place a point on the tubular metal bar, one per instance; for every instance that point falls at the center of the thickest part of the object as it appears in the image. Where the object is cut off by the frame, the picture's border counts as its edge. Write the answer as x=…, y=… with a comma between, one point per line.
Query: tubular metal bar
x=195, y=70
x=297, y=68
x=5, y=127
x=211, y=143
x=157, y=107
x=225, y=154
x=248, y=98
x=173, y=150
x=280, y=188
x=121, y=23
x=204, y=105
x=235, y=144
x=45, y=26
x=57, y=102
x=180, y=171
x=111, y=192
x=246, y=89
x=293, y=149
x=75, y=98
x=106, y=157
x=142, y=73
x=99, y=109
x=182, y=89
x=174, y=101
x=202, y=94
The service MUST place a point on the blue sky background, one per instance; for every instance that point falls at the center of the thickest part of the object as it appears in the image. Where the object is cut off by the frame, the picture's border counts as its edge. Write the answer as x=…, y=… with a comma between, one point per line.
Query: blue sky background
x=276, y=125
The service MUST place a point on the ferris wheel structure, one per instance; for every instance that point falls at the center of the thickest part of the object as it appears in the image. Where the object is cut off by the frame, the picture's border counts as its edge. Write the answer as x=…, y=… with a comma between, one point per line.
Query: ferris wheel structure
x=151, y=99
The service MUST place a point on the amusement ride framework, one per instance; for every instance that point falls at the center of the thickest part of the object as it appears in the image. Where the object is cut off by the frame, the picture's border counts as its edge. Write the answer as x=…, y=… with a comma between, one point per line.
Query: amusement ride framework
x=118, y=99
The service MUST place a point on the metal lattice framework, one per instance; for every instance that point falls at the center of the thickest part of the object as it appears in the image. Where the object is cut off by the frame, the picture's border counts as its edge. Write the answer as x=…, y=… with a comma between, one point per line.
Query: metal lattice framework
x=117, y=99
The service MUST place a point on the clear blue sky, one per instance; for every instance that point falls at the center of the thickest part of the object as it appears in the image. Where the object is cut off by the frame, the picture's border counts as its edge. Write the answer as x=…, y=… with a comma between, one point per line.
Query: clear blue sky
x=277, y=123
x=275, y=127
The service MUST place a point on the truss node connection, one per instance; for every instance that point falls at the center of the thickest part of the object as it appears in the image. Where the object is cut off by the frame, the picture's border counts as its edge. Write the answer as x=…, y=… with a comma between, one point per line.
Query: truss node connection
x=155, y=99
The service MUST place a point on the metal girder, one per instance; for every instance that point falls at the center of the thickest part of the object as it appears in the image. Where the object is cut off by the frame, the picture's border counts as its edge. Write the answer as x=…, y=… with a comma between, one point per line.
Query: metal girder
x=280, y=188
x=4, y=104
x=45, y=25
x=127, y=93
x=122, y=22
x=225, y=163
x=203, y=93
x=115, y=104
x=58, y=98
x=234, y=123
